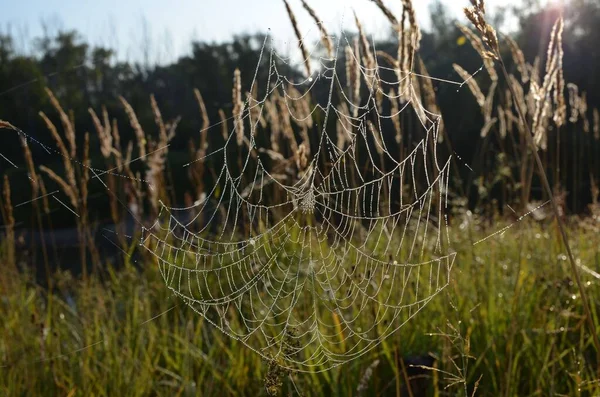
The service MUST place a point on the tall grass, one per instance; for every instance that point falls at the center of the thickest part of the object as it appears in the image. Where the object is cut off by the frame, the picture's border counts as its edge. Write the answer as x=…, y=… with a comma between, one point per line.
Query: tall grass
x=510, y=322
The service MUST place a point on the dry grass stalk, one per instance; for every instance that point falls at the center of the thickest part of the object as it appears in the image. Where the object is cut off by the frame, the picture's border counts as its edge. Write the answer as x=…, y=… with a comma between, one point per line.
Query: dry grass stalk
x=67, y=123
x=9, y=224
x=238, y=107
x=518, y=58
x=158, y=119
x=478, y=45
x=325, y=38
x=104, y=135
x=203, y=112
x=66, y=188
x=64, y=152
x=135, y=124
x=472, y=83
x=305, y=56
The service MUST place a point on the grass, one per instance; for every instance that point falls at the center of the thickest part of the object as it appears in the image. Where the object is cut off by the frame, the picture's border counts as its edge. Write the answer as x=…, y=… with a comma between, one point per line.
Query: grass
x=509, y=319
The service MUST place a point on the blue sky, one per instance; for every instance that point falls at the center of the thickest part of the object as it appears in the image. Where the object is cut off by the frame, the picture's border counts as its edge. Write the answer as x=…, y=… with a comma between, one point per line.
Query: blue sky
x=171, y=25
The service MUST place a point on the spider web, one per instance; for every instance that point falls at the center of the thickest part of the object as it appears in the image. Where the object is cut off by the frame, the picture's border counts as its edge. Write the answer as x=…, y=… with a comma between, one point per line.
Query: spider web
x=315, y=243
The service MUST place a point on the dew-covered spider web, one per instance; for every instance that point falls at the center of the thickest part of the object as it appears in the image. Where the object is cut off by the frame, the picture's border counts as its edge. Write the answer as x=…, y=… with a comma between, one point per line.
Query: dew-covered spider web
x=320, y=233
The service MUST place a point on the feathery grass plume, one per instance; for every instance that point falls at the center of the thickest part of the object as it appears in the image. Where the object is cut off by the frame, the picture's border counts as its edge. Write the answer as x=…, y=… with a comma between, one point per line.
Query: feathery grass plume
x=158, y=119
x=541, y=95
x=560, y=114
x=10, y=224
x=67, y=189
x=478, y=45
x=238, y=107
x=573, y=102
x=472, y=83
x=518, y=58
x=63, y=151
x=66, y=121
x=199, y=168
x=33, y=176
x=414, y=34
x=223, y=121
x=325, y=38
x=596, y=116
x=135, y=124
x=254, y=112
x=543, y=107
x=476, y=14
x=301, y=156
x=104, y=135
x=86, y=170
x=303, y=51
x=116, y=136
x=203, y=112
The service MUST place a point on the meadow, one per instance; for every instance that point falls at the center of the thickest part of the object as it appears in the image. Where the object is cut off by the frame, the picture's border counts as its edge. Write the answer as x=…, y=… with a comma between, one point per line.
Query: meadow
x=321, y=237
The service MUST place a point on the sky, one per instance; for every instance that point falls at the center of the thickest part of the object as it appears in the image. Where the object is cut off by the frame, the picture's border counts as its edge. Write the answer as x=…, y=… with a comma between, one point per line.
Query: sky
x=169, y=26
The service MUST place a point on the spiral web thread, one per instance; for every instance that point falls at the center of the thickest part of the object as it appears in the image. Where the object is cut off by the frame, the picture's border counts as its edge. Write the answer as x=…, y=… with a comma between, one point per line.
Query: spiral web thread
x=313, y=263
